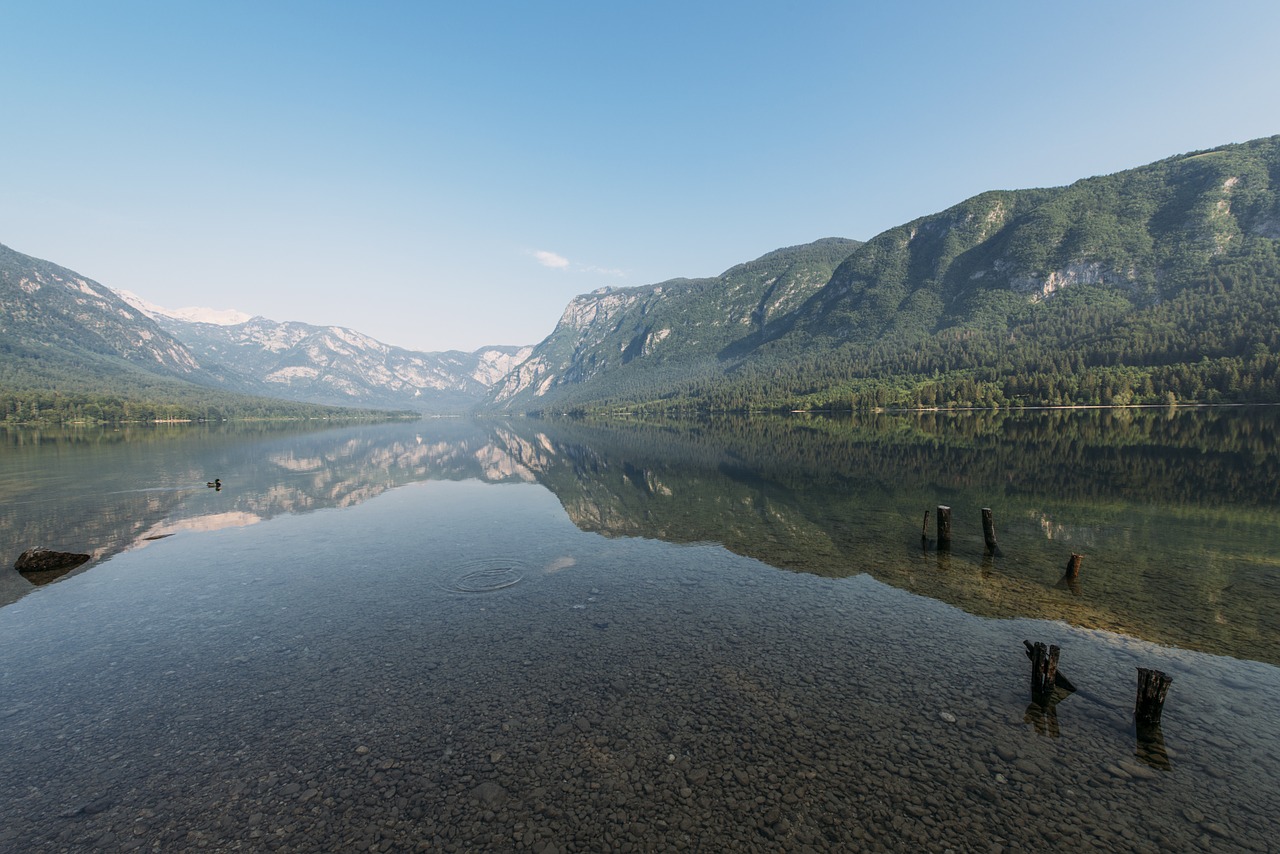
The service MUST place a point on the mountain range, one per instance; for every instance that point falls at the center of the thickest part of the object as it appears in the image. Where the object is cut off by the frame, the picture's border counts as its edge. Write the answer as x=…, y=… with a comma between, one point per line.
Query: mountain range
x=334, y=365
x=644, y=337
x=1156, y=284
x=62, y=331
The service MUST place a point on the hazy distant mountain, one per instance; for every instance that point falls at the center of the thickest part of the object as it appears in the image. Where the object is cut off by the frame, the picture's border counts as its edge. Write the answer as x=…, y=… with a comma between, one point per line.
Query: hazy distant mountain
x=72, y=350
x=192, y=314
x=334, y=365
x=1155, y=284
x=64, y=334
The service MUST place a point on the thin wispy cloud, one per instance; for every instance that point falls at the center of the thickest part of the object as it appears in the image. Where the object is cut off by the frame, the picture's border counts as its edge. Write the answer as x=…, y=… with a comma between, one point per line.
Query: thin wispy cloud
x=551, y=259
x=556, y=261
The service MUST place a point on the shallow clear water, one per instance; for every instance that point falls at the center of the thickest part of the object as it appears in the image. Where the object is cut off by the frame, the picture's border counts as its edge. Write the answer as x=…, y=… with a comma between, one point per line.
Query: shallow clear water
x=438, y=656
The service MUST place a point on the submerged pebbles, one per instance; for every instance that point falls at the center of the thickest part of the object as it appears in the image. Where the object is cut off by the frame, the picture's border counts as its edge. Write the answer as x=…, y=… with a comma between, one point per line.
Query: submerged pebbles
x=753, y=711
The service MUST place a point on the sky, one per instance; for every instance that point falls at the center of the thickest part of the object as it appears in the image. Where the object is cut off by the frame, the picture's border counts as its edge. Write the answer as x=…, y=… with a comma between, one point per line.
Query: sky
x=449, y=175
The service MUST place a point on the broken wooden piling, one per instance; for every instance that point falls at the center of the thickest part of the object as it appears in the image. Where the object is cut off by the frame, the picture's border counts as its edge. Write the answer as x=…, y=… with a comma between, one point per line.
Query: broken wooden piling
x=1044, y=670
x=1153, y=687
x=944, y=527
x=1059, y=679
x=1071, y=575
x=989, y=532
x=1044, y=718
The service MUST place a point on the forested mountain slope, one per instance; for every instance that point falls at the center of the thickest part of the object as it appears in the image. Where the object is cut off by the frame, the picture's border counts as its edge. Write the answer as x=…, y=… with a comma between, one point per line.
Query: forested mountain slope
x=50, y=312
x=1160, y=283
x=1154, y=285
x=645, y=339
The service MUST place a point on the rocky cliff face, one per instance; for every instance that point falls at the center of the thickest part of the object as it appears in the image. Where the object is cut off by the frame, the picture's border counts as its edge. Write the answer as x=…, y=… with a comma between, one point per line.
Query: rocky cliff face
x=652, y=333
x=44, y=306
x=579, y=347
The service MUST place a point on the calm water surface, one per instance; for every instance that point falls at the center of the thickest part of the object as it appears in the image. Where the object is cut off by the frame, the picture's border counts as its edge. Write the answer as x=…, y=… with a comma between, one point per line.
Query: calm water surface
x=540, y=637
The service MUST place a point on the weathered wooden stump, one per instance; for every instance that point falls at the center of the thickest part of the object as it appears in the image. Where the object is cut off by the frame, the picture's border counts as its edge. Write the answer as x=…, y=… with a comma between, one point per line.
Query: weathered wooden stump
x=989, y=532
x=1044, y=671
x=944, y=527
x=1071, y=576
x=1059, y=678
x=1048, y=686
x=1153, y=687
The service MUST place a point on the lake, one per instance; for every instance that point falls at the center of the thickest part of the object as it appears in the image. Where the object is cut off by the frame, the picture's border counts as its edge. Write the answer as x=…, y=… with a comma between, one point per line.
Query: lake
x=588, y=636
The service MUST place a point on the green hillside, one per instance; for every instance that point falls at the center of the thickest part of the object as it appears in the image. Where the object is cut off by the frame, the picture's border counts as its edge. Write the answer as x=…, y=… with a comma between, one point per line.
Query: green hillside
x=642, y=341
x=1156, y=284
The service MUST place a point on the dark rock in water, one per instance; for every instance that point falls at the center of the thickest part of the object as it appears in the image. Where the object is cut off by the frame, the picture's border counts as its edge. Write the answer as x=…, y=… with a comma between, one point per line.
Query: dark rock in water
x=42, y=560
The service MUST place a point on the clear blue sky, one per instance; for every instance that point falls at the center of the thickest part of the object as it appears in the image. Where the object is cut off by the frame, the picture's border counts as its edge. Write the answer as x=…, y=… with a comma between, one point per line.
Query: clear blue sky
x=448, y=175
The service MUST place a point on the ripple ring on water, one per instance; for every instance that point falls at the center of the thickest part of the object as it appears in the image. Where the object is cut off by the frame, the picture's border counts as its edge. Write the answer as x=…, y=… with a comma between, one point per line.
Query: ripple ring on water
x=488, y=576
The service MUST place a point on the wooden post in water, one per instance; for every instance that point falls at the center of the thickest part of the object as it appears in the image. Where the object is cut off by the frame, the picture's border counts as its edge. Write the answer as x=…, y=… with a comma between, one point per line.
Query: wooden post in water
x=1059, y=678
x=924, y=531
x=1045, y=678
x=944, y=527
x=1071, y=575
x=989, y=532
x=1153, y=687
x=989, y=529
x=1044, y=669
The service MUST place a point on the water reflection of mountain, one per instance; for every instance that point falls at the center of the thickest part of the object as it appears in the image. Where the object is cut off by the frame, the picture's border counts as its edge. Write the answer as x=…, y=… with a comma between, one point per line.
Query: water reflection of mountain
x=1174, y=512
x=106, y=491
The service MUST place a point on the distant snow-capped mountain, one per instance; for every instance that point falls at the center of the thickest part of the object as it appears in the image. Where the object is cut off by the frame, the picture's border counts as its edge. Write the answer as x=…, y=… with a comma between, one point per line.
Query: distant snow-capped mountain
x=192, y=314
x=332, y=364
